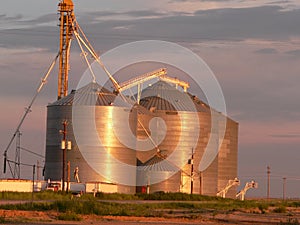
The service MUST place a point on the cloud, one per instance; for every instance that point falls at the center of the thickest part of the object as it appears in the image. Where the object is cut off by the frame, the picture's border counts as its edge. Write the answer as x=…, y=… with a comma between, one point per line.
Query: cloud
x=280, y=2
x=285, y=135
x=48, y=18
x=103, y=16
x=267, y=22
x=20, y=22
x=240, y=2
x=132, y=14
x=193, y=5
x=45, y=37
x=261, y=92
x=144, y=13
x=294, y=52
x=9, y=21
x=4, y=17
x=266, y=51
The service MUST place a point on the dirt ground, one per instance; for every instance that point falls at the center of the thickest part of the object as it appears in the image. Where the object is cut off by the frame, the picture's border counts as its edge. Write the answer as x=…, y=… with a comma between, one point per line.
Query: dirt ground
x=50, y=217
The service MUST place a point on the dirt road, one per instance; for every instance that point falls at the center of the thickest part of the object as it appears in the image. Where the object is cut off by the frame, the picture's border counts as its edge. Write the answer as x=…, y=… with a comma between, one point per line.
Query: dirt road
x=226, y=218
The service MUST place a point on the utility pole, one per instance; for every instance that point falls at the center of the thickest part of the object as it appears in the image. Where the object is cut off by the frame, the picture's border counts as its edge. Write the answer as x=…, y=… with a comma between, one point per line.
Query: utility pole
x=192, y=171
x=68, y=176
x=38, y=170
x=33, y=172
x=64, y=148
x=201, y=183
x=268, y=182
x=284, y=188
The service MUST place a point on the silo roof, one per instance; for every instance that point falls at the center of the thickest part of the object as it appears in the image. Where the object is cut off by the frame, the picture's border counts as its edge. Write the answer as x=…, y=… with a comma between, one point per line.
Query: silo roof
x=158, y=163
x=91, y=94
x=163, y=96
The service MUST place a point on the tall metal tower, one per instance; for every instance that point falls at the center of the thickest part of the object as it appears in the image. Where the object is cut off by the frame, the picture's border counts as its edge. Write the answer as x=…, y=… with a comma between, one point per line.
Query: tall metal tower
x=66, y=10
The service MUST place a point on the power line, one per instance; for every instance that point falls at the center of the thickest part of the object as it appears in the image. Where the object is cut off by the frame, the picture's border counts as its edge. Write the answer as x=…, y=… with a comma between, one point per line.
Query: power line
x=27, y=111
x=34, y=153
x=23, y=164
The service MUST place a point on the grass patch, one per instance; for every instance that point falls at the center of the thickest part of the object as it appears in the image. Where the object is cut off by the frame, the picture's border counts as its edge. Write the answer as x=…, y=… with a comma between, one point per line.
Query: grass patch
x=69, y=216
x=280, y=209
x=92, y=206
x=3, y=220
x=172, y=203
x=42, y=195
x=156, y=196
x=263, y=207
x=175, y=196
x=115, y=196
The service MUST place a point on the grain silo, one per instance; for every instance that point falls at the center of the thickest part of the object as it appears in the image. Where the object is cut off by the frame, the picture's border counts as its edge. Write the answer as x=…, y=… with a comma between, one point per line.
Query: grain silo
x=178, y=124
x=179, y=114
x=188, y=122
x=93, y=151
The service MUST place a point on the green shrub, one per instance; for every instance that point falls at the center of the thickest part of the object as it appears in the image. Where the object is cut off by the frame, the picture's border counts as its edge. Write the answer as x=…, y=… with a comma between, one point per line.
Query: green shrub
x=280, y=209
x=2, y=219
x=294, y=204
x=69, y=216
x=263, y=208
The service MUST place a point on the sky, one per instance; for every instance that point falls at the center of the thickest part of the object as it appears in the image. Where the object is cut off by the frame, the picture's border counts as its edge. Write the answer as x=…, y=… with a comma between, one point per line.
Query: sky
x=253, y=48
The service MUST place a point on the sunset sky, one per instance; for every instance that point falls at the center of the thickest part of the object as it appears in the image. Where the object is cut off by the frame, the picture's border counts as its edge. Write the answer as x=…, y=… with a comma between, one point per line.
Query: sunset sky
x=253, y=48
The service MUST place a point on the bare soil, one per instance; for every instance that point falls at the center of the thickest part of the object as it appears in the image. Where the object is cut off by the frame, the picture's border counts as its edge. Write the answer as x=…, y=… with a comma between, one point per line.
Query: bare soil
x=218, y=218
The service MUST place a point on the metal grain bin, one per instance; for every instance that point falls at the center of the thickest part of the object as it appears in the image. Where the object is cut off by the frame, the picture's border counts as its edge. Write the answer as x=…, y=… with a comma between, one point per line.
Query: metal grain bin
x=189, y=128
x=94, y=151
x=176, y=140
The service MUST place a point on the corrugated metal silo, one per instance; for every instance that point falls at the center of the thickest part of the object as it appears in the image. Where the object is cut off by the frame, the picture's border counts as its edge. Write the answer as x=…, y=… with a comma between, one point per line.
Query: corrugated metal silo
x=179, y=114
x=183, y=121
x=96, y=151
x=224, y=167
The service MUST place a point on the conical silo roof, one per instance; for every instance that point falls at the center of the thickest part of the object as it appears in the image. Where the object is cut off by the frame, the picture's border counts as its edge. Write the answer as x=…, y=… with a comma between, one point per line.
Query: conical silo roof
x=157, y=163
x=91, y=94
x=163, y=96
x=200, y=105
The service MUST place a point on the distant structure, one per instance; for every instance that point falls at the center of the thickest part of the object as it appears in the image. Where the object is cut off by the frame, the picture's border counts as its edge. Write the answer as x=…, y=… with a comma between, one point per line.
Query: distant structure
x=162, y=100
x=241, y=194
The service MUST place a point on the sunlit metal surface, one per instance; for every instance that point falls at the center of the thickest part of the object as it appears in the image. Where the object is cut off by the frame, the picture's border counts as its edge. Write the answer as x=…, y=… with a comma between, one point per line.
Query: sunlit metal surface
x=106, y=110
x=183, y=121
x=187, y=130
